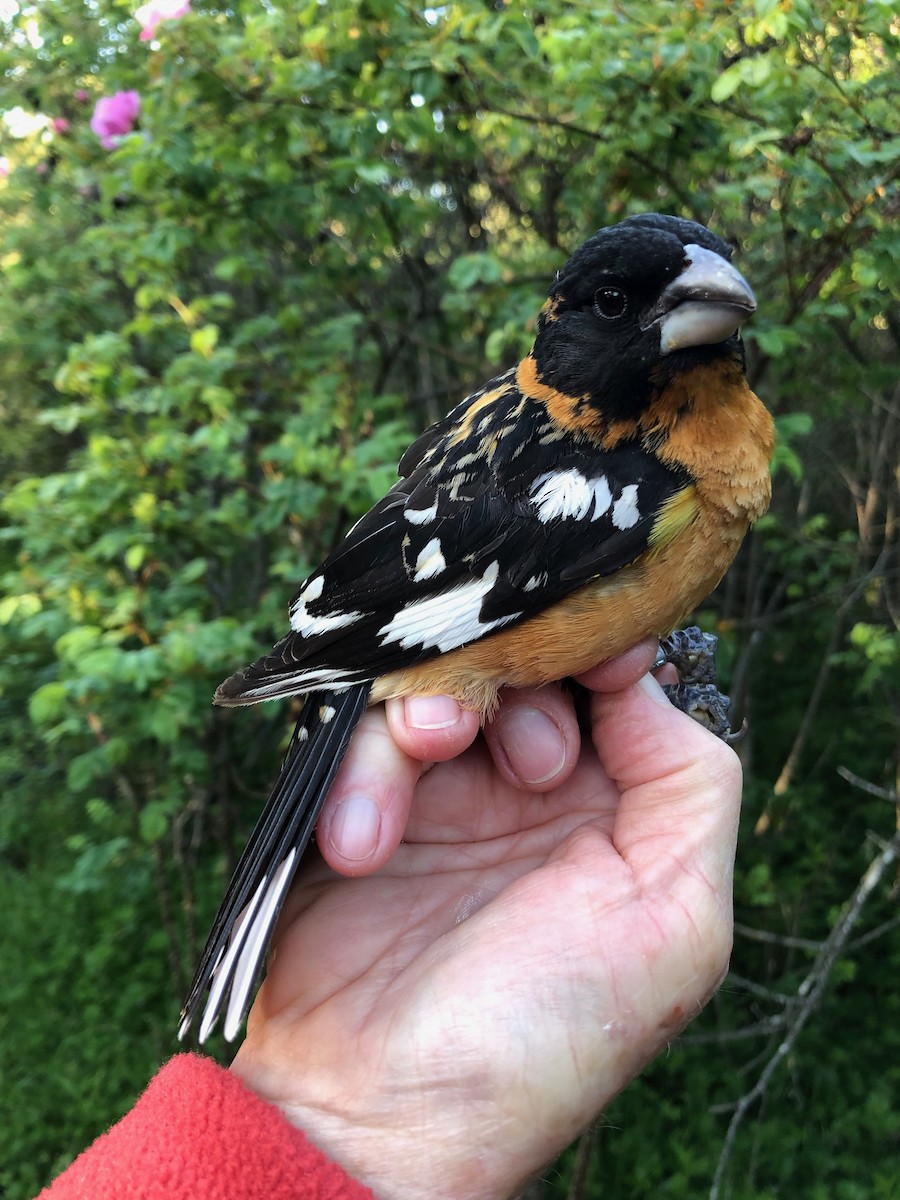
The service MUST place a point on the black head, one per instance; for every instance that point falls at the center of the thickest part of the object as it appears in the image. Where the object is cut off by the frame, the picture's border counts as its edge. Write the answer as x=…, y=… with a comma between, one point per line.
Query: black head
x=651, y=291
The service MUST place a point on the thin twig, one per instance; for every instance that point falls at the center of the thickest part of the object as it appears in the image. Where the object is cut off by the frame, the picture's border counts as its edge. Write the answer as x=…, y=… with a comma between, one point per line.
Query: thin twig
x=873, y=934
x=759, y=1029
x=782, y=783
x=764, y=993
x=872, y=789
x=776, y=939
x=811, y=990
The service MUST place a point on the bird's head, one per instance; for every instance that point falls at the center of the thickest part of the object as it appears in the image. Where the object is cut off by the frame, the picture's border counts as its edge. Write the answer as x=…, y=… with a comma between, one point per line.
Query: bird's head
x=640, y=299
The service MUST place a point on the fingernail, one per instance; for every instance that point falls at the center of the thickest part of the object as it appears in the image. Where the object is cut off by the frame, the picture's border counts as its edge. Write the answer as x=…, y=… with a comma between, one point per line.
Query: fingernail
x=533, y=744
x=431, y=712
x=649, y=686
x=354, y=828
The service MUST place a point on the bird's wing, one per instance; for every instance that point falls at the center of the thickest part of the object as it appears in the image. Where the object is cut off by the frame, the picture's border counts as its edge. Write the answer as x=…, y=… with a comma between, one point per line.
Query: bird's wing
x=503, y=515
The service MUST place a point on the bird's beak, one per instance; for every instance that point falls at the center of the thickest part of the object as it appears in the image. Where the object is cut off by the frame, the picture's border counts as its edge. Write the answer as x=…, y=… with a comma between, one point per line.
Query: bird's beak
x=705, y=304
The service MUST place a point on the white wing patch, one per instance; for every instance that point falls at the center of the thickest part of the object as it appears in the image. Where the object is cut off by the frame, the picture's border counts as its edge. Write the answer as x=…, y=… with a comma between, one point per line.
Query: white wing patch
x=304, y=623
x=313, y=589
x=421, y=516
x=625, y=512
x=430, y=561
x=602, y=497
x=569, y=495
x=447, y=620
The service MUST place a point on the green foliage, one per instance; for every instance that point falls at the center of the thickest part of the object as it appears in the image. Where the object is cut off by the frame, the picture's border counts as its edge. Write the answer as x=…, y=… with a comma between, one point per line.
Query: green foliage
x=215, y=340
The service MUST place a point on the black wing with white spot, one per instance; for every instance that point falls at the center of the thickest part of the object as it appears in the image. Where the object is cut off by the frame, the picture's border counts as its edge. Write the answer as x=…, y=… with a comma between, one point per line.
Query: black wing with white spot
x=502, y=515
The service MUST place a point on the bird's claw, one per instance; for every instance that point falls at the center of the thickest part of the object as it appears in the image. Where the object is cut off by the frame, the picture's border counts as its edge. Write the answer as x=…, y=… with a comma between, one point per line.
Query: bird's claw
x=693, y=654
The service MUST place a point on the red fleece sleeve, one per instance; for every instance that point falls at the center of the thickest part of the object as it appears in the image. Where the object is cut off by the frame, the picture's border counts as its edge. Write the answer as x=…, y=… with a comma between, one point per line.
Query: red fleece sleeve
x=198, y=1132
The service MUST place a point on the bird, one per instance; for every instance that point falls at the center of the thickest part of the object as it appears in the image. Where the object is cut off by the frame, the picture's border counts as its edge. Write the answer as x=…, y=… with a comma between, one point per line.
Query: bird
x=586, y=498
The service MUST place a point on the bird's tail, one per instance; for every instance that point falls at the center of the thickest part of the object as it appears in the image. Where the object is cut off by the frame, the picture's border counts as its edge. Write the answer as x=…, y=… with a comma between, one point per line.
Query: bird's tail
x=237, y=943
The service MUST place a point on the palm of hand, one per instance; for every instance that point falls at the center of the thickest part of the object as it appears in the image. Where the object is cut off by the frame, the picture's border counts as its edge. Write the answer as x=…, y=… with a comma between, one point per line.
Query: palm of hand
x=511, y=967
x=473, y=840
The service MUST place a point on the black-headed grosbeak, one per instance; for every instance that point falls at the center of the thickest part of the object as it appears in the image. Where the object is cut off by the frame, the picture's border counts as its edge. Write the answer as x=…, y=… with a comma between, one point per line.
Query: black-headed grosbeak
x=583, y=500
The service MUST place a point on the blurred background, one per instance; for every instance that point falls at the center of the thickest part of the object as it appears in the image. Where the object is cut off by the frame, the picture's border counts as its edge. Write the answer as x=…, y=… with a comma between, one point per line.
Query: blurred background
x=246, y=252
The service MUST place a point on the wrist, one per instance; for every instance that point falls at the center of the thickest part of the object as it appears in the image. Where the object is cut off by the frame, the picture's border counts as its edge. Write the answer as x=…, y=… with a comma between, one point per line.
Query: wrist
x=402, y=1145
x=469, y=1134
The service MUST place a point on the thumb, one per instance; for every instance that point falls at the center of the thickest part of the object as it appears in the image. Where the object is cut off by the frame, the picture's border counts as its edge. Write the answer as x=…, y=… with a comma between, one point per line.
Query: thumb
x=680, y=787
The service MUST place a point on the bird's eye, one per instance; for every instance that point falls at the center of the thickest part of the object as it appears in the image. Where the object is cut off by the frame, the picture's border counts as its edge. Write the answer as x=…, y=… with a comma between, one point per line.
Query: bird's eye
x=610, y=301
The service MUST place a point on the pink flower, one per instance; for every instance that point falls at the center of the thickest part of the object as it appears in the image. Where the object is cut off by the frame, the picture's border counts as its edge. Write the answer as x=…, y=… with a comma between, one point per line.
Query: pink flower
x=82, y=95
x=114, y=116
x=60, y=125
x=149, y=15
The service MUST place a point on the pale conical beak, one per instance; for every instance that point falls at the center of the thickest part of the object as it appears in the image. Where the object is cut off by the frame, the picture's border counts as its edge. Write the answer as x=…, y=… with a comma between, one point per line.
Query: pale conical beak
x=704, y=305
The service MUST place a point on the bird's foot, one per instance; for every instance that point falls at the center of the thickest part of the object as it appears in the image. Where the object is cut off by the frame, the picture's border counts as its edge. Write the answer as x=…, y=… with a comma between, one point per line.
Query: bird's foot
x=693, y=654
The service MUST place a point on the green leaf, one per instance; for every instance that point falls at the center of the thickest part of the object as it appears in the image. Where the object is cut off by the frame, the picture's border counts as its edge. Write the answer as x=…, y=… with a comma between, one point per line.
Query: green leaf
x=727, y=83
x=24, y=605
x=470, y=270
x=48, y=703
x=167, y=717
x=135, y=557
x=154, y=822
x=751, y=72
x=204, y=340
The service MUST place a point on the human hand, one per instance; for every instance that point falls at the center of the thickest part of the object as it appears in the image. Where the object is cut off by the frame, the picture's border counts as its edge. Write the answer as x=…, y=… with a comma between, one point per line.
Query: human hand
x=444, y=1025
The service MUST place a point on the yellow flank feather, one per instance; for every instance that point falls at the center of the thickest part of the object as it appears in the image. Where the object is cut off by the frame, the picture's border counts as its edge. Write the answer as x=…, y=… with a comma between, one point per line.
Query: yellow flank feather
x=678, y=512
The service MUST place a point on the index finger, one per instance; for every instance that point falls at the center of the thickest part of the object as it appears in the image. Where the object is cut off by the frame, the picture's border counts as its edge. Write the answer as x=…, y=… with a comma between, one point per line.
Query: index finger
x=622, y=671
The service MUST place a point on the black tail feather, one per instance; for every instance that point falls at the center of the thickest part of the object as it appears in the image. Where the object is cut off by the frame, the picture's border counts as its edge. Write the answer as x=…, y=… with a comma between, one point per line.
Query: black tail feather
x=236, y=946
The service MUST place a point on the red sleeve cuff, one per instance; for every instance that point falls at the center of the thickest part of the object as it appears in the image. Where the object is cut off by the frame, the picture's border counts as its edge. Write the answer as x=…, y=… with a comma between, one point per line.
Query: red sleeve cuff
x=198, y=1132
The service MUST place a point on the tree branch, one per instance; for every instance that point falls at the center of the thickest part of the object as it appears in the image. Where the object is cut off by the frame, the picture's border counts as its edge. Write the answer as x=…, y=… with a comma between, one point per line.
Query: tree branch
x=810, y=991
